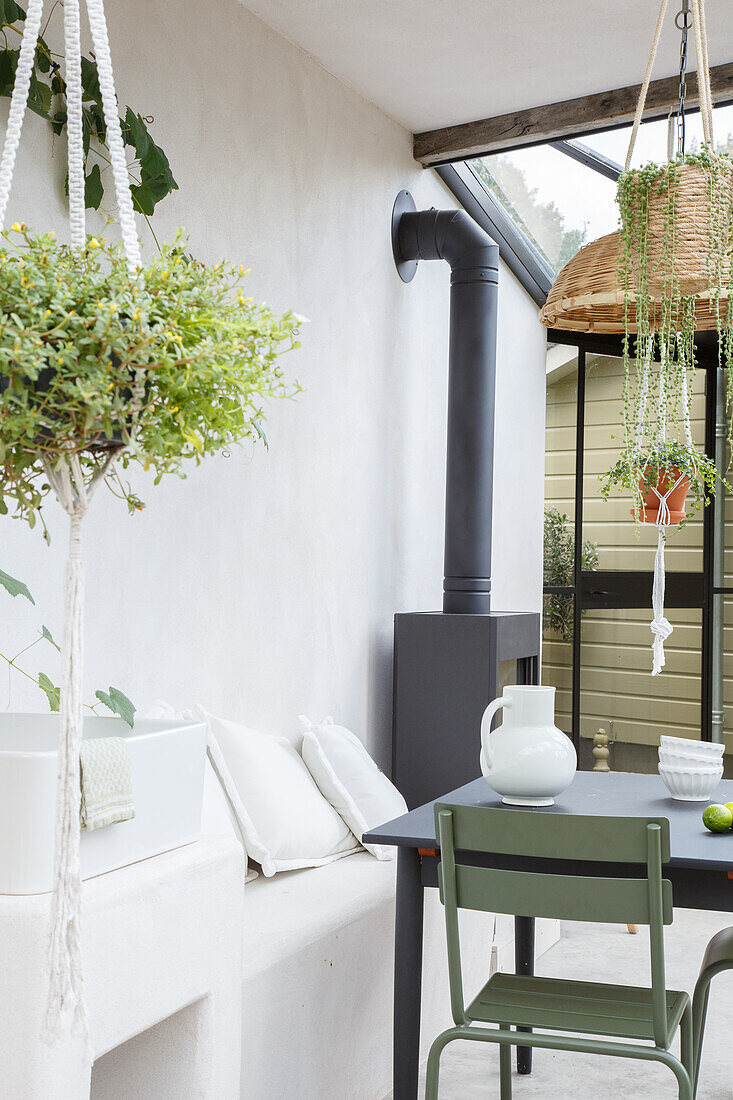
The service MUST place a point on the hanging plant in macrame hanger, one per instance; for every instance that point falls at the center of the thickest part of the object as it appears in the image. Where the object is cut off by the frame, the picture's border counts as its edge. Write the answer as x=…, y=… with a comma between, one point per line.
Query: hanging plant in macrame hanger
x=107, y=361
x=665, y=276
x=73, y=480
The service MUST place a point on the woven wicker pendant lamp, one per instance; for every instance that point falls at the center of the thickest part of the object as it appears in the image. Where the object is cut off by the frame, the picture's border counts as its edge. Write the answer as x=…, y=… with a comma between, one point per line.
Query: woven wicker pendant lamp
x=588, y=296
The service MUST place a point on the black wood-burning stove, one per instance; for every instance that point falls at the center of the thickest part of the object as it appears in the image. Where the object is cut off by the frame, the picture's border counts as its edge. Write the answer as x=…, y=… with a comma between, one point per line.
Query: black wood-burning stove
x=449, y=665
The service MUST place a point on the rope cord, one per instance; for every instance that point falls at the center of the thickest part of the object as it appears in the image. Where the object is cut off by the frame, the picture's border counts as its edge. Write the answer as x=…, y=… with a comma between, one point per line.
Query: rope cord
x=18, y=101
x=98, y=25
x=661, y=416
x=661, y=627
x=645, y=83
x=703, y=75
x=686, y=403
x=703, y=69
x=74, y=126
x=66, y=977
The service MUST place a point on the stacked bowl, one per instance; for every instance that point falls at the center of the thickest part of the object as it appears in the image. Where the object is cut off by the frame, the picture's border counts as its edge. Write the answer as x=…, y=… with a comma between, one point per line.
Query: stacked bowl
x=690, y=770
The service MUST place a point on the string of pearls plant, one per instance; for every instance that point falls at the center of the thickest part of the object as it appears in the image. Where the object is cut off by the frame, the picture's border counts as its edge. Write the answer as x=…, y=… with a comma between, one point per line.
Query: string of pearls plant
x=660, y=323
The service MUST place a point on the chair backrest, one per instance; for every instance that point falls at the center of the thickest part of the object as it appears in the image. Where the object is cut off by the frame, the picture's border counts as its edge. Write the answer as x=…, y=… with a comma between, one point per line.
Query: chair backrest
x=538, y=892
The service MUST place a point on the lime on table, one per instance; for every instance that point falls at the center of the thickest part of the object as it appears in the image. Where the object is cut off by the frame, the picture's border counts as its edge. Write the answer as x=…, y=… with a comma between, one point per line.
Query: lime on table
x=717, y=818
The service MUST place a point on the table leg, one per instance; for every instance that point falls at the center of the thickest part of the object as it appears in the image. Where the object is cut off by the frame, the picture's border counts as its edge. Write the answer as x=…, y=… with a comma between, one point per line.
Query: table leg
x=407, y=975
x=524, y=964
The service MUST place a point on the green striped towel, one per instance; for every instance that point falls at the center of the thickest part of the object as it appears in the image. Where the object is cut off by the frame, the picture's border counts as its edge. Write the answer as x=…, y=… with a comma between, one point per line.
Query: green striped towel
x=106, y=785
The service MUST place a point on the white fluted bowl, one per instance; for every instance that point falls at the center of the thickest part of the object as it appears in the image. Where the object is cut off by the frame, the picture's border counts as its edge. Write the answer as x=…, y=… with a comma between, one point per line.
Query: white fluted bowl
x=680, y=760
x=684, y=746
x=691, y=784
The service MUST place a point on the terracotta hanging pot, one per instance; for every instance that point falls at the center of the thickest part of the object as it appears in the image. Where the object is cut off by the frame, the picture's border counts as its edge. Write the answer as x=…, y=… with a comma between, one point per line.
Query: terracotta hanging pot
x=675, y=501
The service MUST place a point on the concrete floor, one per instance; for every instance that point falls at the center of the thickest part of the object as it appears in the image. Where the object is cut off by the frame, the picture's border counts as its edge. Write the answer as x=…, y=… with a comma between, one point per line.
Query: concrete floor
x=470, y=1071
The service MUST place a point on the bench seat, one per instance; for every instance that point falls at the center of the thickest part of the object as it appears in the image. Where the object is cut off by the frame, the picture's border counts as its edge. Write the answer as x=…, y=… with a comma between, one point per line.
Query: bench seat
x=317, y=980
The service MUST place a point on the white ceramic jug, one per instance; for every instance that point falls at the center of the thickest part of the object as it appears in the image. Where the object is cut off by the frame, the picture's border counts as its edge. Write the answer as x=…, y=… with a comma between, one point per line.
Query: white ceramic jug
x=527, y=759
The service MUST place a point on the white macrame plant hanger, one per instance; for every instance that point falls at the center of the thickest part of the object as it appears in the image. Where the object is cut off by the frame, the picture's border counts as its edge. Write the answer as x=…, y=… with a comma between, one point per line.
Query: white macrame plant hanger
x=74, y=491
x=660, y=626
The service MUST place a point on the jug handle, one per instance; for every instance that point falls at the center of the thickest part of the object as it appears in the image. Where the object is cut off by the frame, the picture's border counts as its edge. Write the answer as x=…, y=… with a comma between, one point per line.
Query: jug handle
x=486, y=727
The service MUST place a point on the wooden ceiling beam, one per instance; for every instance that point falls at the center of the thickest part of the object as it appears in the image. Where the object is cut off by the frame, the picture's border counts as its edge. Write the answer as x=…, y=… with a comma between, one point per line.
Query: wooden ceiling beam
x=571, y=118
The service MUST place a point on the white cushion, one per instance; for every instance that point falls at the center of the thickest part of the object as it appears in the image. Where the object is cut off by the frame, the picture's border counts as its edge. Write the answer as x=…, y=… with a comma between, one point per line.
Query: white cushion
x=286, y=822
x=350, y=780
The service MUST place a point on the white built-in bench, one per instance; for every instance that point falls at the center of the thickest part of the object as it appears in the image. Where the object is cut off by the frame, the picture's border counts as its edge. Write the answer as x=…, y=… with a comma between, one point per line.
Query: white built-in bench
x=317, y=974
x=318, y=977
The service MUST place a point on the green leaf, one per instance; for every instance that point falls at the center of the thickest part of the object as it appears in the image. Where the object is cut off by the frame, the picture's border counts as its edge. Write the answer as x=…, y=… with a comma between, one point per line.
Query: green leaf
x=118, y=703
x=43, y=56
x=97, y=125
x=90, y=80
x=49, y=637
x=8, y=65
x=10, y=12
x=93, y=188
x=14, y=587
x=260, y=433
x=52, y=693
x=40, y=97
x=155, y=171
x=135, y=133
x=86, y=132
x=58, y=120
x=142, y=199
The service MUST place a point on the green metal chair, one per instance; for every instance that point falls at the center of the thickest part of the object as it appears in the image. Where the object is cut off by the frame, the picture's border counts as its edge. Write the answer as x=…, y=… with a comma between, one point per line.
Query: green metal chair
x=718, y=957
x=555, y=1006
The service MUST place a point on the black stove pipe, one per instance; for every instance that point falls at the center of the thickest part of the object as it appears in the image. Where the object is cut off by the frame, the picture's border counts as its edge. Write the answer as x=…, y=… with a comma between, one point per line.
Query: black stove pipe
x=453, y=236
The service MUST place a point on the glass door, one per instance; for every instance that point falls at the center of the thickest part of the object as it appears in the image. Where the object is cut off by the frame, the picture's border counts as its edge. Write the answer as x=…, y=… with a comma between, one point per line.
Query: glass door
x=599, y=573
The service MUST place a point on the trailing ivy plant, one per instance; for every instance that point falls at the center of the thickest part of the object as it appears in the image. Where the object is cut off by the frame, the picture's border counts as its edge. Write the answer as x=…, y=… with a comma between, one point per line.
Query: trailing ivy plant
x=171, y=365
x=657, y=401
x=114, y=699
x=151, y=177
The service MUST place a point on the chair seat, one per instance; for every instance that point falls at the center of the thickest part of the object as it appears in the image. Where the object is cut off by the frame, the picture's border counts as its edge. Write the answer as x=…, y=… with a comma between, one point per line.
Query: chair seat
x=622, y=1011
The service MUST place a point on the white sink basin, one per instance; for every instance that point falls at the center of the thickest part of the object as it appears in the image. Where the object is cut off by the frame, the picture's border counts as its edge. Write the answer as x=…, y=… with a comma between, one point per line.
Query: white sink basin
x=167, y=762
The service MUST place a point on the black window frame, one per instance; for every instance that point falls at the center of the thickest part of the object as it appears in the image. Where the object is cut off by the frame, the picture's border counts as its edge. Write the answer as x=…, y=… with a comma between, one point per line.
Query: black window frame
x=627, y=589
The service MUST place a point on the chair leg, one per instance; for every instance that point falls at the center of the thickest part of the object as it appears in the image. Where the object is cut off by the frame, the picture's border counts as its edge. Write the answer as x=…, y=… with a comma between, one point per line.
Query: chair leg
x=699, y=1014
x=433, y=1072
x=505, y=1067
x=687, y=1049
x=433, y=1068
x=684, y=1082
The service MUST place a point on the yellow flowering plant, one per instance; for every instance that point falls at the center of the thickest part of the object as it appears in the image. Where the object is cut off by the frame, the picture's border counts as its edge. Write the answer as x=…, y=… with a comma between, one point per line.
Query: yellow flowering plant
x=170, y=364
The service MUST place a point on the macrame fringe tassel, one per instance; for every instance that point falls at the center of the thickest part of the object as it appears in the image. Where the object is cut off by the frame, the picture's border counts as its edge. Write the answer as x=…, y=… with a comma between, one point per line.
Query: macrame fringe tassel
x=661, y=627
x=66, y=980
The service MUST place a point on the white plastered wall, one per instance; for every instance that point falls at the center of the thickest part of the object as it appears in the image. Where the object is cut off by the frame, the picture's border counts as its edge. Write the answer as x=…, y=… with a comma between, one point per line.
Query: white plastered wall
x=265, y=587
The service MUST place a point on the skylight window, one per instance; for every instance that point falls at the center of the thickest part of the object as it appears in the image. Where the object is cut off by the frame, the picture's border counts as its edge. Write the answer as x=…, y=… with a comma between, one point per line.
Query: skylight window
x=560, y=204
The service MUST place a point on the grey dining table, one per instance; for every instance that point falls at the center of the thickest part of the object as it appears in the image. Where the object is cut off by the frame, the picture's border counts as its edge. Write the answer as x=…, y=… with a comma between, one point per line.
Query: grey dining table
x=700, y=870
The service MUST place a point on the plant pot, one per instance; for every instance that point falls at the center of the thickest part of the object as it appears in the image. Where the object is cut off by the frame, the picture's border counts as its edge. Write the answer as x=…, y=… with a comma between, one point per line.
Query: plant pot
x=96, y=443
x=692, y=230
x=675, y=501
